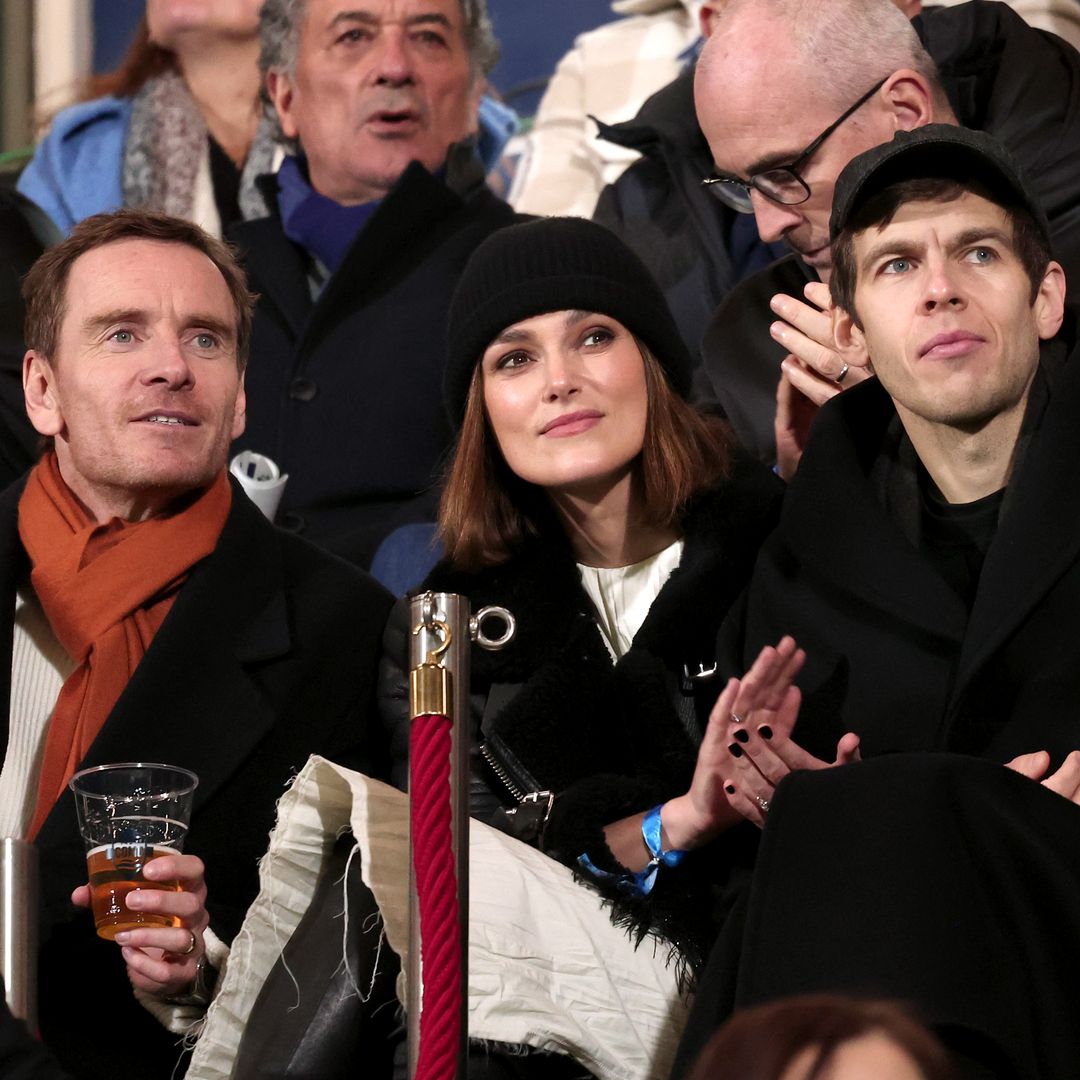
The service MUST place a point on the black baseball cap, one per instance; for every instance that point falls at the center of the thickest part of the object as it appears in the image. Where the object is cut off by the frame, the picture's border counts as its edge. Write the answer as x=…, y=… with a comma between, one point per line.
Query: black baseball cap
x=929, y=152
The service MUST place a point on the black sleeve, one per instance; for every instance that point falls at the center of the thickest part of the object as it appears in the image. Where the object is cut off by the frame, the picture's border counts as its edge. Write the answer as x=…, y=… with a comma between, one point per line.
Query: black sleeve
x=22, y=1057
x=393, y=692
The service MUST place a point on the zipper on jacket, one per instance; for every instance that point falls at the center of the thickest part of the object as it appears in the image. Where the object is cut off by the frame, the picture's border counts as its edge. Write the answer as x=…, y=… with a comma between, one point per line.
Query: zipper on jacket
x=500, y=772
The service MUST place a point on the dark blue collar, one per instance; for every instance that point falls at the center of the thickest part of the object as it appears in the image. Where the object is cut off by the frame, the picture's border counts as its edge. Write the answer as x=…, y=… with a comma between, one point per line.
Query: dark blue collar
x=318, y=224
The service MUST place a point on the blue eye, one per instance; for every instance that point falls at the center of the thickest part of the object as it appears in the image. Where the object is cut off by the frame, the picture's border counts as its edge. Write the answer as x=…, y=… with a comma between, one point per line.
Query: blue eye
x=897, y=266
x=205, y=341
x=982, y=255
x=122, y=337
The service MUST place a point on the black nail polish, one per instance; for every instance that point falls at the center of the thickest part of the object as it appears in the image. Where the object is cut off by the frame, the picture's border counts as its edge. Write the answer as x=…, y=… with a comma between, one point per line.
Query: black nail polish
x=735, y=750
x=742, y=735
x=765, y=731
x=729, y=788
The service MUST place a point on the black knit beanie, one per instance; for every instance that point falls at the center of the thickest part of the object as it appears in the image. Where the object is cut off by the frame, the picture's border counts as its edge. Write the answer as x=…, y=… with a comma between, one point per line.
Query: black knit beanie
x=555, y=264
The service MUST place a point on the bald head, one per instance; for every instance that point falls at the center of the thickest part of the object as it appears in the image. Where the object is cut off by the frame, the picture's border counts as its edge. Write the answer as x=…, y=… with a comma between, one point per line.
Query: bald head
x=774, y=74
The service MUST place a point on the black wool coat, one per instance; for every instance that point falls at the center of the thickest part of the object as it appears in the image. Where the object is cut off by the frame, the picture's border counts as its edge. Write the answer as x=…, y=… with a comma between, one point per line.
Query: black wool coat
x=925, y=873
x=345, y=391
x=1001, y=76
x=611, y=739
x=268, y=655
x=892, y=651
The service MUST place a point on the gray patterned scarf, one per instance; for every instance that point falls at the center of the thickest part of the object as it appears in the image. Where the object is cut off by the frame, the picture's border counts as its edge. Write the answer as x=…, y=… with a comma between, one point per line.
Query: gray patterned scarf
x=166, y=144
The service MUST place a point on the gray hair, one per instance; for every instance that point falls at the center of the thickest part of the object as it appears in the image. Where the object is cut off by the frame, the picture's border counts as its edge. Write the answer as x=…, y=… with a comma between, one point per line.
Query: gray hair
x=853, y=43
x=279, y=35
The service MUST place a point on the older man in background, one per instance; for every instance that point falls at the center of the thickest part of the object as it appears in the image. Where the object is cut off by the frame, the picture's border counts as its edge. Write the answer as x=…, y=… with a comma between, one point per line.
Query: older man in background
x=787, y=94
x=374, y=217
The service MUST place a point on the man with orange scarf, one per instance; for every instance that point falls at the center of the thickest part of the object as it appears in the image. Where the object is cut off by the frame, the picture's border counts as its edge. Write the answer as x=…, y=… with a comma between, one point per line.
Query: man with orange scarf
x=156, y=616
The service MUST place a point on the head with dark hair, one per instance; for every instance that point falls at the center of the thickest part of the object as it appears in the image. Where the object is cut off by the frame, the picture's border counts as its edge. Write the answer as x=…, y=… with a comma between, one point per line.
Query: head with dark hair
x=46, y=282
x=1028, y=240
x=943, y=279
x=566, y=374
x=936, y=163
x=137, y=328
x=807, y=1038
x=363, y=92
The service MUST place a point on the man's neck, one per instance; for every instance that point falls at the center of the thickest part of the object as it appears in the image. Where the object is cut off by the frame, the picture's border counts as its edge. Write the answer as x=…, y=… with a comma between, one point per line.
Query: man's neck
x=104, y=504
x=967, y=465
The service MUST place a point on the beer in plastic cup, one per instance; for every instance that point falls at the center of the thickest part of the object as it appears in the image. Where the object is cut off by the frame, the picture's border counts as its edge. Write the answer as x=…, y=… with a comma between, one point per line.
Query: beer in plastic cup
x=129, y=814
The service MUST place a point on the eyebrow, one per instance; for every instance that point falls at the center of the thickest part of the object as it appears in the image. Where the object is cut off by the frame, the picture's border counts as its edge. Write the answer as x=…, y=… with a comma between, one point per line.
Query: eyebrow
x=370, y=19
x=225, y=331
x=99, y=322
x=773, y=161
x=900, y=249
x=511, y=334
x=96, y=323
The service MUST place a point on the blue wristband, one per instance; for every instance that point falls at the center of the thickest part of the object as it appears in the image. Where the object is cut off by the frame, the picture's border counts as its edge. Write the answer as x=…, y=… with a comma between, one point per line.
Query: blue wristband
x=651, y=834
x=643, y=881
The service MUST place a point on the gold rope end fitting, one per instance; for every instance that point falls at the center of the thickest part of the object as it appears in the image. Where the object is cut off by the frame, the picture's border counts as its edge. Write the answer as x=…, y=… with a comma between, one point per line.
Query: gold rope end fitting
x=430, y=683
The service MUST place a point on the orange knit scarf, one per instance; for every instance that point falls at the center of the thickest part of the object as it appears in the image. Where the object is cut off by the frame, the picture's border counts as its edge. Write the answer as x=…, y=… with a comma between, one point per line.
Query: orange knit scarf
x=105, y=590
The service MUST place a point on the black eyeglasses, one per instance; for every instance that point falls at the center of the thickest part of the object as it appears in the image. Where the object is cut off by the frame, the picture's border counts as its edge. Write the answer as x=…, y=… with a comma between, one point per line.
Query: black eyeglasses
x=782, y=184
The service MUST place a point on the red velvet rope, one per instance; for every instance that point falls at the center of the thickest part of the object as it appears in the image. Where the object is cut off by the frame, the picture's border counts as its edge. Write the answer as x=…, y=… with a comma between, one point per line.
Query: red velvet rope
x=436, y=889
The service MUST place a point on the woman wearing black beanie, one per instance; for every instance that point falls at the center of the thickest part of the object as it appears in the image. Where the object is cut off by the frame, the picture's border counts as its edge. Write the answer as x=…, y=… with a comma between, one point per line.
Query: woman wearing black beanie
x=589, y=499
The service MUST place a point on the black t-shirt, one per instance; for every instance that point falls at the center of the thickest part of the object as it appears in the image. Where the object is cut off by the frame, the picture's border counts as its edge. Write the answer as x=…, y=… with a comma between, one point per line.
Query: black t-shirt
x=956, y=536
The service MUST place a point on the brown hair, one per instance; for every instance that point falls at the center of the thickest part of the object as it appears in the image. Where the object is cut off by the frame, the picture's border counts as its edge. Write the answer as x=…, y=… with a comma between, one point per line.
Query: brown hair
x=142, y=61
x=45, y=286
x=760, y=1043
x=879, y=210
x=487, y=512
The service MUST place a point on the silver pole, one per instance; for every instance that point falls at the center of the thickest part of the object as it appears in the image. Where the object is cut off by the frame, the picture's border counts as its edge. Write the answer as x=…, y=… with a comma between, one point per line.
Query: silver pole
x=19, y=927
x=426, y=611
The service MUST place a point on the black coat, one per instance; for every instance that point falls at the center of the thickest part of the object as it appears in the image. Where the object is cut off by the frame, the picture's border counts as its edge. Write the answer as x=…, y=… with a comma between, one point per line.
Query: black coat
x=892, y=652
x=345, y=392
x=269, y=654
x=921, y=874
x=611, y=740
x=1001, y=76
x=25, y=231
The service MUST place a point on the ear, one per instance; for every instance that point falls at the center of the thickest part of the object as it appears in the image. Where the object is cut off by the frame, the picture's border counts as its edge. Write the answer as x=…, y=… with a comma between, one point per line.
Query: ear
x=239, y=411
x=39, y=392
x=707, y=16
x=1049, y=303
x=280, y=88
x=849, y=339
x=908, y=99
x=472, y=103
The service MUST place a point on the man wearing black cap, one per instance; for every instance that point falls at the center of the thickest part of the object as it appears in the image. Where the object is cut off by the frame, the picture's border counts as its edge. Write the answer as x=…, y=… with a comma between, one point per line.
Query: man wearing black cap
x=928, y=561
x=927, y=542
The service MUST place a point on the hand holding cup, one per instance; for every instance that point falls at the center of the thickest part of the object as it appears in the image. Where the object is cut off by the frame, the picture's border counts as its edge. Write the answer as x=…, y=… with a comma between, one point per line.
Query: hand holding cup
x=145, y=894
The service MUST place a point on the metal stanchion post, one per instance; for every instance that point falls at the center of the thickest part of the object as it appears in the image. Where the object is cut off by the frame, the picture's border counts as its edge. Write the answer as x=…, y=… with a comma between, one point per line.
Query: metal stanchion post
x=18, y=927
x=440, y=623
